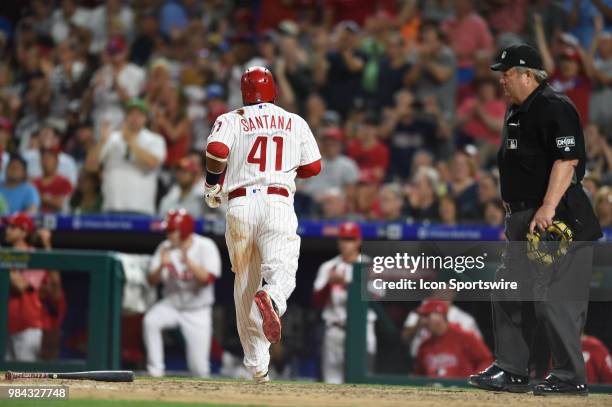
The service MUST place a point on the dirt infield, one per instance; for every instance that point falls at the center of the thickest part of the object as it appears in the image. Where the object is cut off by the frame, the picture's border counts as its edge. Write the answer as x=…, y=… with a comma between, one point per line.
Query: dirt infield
x=305, y=394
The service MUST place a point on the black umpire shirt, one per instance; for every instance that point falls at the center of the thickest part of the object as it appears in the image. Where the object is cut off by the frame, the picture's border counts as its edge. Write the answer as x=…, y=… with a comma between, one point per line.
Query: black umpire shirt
x=545, y=128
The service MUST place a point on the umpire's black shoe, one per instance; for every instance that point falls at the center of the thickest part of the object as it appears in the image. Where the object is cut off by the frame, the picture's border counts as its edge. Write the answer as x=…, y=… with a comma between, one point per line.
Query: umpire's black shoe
x=553, y=386
x=496, y=379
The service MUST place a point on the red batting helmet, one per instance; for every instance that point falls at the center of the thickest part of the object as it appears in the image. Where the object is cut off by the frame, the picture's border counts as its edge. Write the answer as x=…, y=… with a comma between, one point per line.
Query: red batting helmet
x=179, y=220
x=257, y=86
x=349, y=230
x=23, y=221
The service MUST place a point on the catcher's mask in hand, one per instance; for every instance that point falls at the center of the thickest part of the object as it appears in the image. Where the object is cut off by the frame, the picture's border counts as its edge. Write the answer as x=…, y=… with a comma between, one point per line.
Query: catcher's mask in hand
x=549, y=246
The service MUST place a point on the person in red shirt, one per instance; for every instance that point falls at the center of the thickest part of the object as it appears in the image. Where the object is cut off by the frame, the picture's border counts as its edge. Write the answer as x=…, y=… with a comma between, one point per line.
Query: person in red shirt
x=572, y=75
x=169, y=119
x=370, y=154
x=51, y=295
x=270, y=13
x=366, y=191
x=508, y=16
x=36, y=301
x=597, y=359
x=468, y=33
x=482, y=117
x=449, y=351
x=24, y=306
x=571, y=79
x=54, y=189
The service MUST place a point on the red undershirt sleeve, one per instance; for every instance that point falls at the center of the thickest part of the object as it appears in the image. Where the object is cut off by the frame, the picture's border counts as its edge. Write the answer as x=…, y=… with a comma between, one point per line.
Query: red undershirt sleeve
x=309, y=170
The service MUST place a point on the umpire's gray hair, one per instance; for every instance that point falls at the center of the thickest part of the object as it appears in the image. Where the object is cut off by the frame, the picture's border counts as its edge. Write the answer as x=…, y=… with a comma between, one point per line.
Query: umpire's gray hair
x=540, y=75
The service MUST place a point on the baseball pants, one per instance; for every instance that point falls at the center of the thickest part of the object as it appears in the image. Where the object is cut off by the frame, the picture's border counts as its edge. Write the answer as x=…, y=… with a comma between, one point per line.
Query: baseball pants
x=196, y=327
x=263, y=245
x=25, y=346
x=332, y=354
x=544, y=288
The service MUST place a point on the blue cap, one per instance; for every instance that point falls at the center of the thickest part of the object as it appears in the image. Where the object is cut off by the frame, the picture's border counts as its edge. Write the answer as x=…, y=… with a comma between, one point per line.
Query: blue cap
x=214, y=90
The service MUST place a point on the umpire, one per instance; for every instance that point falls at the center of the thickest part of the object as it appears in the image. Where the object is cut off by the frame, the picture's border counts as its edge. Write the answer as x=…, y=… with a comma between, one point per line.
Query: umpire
x=541, y=163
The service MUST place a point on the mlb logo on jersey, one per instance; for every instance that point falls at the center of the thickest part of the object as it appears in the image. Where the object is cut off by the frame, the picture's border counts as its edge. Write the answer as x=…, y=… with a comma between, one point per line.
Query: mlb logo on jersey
x=512, y=144
x=566, y=142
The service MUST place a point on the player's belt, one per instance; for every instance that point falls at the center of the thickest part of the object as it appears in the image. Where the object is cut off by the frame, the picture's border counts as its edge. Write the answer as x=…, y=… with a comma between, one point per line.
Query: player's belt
x=518, y=206
x=238, y=192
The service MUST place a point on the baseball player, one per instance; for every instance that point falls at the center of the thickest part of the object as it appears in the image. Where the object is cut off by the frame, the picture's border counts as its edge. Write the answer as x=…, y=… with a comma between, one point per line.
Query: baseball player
x=449, y=351
x=415, y=333
x=261, y=148
x=330, y=293
x=36, y=301
x=187, y=265
x=597, y=360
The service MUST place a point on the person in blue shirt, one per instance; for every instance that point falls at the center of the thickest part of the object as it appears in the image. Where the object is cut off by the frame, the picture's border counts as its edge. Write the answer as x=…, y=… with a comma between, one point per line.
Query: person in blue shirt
x=580, y=15
x=19, y=194
x=173, y=15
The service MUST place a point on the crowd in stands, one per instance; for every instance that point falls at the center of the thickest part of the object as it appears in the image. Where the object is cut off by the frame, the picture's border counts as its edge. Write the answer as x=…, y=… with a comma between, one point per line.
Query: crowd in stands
x=105, y=106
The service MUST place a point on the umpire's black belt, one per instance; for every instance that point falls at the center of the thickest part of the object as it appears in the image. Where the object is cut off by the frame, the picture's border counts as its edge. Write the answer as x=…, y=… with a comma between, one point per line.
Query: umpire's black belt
x=518, y=206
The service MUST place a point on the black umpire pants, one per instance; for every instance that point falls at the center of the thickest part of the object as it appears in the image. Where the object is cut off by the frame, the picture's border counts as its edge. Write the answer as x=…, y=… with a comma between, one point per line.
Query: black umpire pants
x=559, y=295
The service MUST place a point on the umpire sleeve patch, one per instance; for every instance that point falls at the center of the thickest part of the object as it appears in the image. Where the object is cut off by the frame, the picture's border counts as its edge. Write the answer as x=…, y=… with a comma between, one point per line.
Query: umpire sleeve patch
x=566, y=143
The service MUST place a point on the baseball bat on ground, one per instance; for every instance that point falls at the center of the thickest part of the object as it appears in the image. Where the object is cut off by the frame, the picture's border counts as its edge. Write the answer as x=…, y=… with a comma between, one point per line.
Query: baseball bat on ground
x=99, y=375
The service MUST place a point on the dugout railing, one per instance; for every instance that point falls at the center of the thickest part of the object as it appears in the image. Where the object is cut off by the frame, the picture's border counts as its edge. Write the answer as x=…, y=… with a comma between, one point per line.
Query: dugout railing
x=104, y=299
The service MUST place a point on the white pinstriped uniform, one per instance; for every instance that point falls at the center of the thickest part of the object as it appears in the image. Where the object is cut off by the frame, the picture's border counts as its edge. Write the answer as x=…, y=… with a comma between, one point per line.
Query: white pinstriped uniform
x=267, y=144
x=334, y=315
x=187, y=304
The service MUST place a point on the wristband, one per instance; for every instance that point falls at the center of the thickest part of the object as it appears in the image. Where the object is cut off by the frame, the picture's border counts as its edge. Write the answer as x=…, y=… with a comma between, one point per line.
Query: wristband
x=212, y=178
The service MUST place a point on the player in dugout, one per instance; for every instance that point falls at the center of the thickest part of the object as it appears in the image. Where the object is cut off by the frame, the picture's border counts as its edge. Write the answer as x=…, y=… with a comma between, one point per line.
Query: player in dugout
x=449, y=351
x=37, y=305
x=597, y=360
x=330, y=294
x=187, y=265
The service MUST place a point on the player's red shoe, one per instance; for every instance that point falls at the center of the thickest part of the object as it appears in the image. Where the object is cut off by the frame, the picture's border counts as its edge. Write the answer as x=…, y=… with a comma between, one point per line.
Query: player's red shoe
x=271, y=321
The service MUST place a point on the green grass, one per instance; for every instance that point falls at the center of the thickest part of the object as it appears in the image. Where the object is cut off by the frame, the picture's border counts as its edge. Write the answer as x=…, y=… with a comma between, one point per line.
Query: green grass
x=106, y=403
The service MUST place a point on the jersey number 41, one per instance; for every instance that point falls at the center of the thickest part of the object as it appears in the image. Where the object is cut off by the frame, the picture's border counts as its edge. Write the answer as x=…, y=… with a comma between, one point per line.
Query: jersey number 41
x=259, y=151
